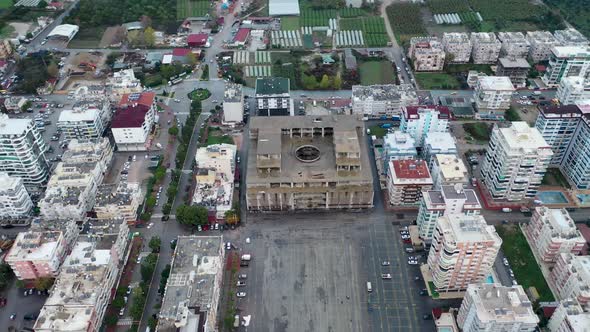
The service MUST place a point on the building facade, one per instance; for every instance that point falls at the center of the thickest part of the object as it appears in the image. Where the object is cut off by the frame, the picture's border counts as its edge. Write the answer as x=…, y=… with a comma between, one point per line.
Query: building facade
x=463, y=251
x=133, y=121
x=233, y=103
x=569, y=317
x=517, y=69
x=436, y=143
x=5, y=49
x=493, y=95
x=81, y=123
x=396, y=146
x=427, y=54
x=514, y=44
x=15, y=201
x=573, y=90
x=516, y=161
x=418, y=121
x=493, y=307
x=485, y=47
x=570, y=276
x=406, y=180
x=118, y=201
x=567, y=61
x=458, y=46
x=541, y=43
x=382, y=101
x=273, y=97
x=448, y=169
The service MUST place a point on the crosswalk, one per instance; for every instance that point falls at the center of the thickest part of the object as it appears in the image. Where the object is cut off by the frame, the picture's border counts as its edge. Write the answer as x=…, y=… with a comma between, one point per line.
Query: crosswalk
x=125, y=322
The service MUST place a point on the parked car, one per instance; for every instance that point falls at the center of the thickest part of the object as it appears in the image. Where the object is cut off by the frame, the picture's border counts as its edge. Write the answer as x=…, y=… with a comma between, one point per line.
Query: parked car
x=243, y=276
x=385, y=276
x=241, y=283
x=385, y=263
x=241, y=294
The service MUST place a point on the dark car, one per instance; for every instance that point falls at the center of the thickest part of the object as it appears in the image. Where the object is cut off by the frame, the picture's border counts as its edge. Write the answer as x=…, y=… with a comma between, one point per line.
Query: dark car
x=165, y=218
x=30, y=317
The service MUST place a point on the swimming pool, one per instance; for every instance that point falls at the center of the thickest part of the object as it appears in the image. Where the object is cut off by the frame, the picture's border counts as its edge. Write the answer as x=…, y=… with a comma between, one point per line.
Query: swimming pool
x=490, y=280
x=552, y=197
x=584, y=198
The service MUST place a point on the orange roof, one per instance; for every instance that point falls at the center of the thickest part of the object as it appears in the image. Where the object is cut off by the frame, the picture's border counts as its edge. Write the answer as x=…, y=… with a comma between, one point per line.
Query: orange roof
x=144, y=98
x=411, y=169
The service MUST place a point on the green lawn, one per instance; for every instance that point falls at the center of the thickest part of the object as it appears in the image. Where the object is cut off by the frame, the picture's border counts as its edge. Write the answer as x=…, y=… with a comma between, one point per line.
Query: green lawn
x=512, y=115
x=478, y=130
x=378, y=131
x=465, y=67
x=376, y=72
x=5, y=4
x=199, y=94
x=290, y=23
x=6, y=31
x=215, y=137
x=437, y=81
x=554, y=177
x=523, y=263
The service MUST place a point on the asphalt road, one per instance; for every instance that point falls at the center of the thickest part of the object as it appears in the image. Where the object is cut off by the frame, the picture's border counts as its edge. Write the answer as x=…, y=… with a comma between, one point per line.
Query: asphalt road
x=20, y=305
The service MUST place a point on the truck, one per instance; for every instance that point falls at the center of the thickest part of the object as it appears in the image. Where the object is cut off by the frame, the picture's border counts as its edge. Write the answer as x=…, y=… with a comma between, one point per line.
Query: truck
x=245, y=260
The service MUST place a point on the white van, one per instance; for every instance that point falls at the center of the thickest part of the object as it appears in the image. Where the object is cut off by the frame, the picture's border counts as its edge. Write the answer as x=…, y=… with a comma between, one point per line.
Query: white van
x=369, y=287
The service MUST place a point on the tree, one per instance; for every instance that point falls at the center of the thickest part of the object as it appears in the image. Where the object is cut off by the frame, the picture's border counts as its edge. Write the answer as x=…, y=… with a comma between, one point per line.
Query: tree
x=150, y=202
x=19, y=283
x=192, y=59
x=118, y=302
x=191, y=215
x=111, y=319
x=152, y=323
x=149, y=36
x=337, y=82
x=53, y=69
x=42, y=4
x=155, y=243
x=325, y=82
x=29, y=35
x=148, y=265
x=309, y=82
x=43, y=283
x=167, y=208
x=6, y=275
x=160, y=173
x=146, y=216
x=173, y=131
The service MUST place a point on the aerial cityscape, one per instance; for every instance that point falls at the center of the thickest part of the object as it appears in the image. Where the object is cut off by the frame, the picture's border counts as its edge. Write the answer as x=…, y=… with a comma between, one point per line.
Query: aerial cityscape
x=294, y=165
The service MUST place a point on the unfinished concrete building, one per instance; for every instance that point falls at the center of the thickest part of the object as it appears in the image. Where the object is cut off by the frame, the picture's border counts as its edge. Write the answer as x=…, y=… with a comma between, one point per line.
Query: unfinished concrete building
x=308, y=163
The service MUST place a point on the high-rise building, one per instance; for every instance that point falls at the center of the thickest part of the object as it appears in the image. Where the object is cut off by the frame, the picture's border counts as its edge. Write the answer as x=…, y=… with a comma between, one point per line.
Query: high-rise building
x=493, y=95
x=463, y=251
x=570, y=278
x=15, y=201
x=438, y=143
x=516, y=160
x=86, y=120
x=493, y=307
x=457, y=46
x=569, y=317
x=567, y=61
x=427, y=54
x=22, y=151
x=552, y=232
x=447, y=200
x=541, y=43
x=573, y=89
x=398, y=145
x=233, y=103
x=486, y=47
x=448, y=169
x=418, y=121
x=514, y=44
x=517, y=69
x=406, y=180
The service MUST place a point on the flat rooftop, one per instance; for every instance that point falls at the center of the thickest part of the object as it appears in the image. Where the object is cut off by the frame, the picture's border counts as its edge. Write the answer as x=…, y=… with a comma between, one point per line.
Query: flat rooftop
x=232, y=93
x=34, y=246
x=462, y=228
x=495, y=83
x=569, y=51
x=451, y=166
x=12, y=126
x=514, y=63
x=440, y=141
x=272, y=86
x=498, y=303
x=410, y=169
x=79, y=115
x=521, y=135
x=384, y=92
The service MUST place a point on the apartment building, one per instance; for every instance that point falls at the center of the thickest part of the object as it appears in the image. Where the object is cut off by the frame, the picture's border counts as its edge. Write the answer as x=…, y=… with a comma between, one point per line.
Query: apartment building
x=123, y=82
x=273, y=97
x=5, y=49
x=118, y=201
x=493, y=307
x=570, y=277
x=438, y=143
x=22, y=151
x=541, y=43
x=569, y=317
x=448, y=169
x=86, y=120
x=517, y=69
x=493, y=95
x=567, y=61
x=406, y=180
x=15, y=201
x=552, y=232
x=566, y=129
x=418, y=121
x=133, y=121
x=386, y=100
x=516, y=160
x=398, y=145
x=463, y=251
x=86, y=93
x=195, y=307
x=570, y=37
x=458, y=46
x=308, y=163
x=85, y=284
x=573, y=90
x=14, y=104
x=427, y=54
x=233, y=103
x=449, y=199
x=514, y=45
x=485, y=47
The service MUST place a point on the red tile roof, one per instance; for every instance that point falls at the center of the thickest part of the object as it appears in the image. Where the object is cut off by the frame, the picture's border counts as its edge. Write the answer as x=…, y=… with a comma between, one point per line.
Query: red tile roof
x=180, y=51
x=129, y=117
x=412, y=111
x=144, y=98
x=411, y=169
x=197, y=39
x=242, y=35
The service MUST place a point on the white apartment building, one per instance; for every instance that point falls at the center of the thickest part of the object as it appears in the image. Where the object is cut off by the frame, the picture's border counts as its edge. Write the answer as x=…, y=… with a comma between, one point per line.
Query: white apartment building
x=486, y=47
x=386, y=100
x=118, y=201
x=516, y=160
x=133, y=121
x=449, y=199
x=458, y=46
x=233, y=103
x=15, y=104
x=448, y=169
x=15, y=201
x=427, y=54
x=570, y=277
x=567, y=61
x=89, y=93
x=493, y=307
x=493, y=95
x=123, y=82
x=37, y=254
x=570, y=37
x=22, y=151
x=572, y=90
x=552, y=232
x=541, y=43
x=514, y=44
x=81, y=123
x=406, y=180
x=83, y=288
x=396, y=146
x=418, y=121
x=438, y=143
x=463, y=251
x=569, y=317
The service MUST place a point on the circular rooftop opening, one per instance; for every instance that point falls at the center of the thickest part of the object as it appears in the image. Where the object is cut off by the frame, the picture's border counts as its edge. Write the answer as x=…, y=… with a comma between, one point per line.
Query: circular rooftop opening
x=307, y=153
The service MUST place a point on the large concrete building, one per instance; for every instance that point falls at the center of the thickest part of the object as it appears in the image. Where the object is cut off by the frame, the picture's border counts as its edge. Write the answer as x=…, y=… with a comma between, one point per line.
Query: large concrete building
x=233, y=104
x=86, y=120
x=398, y=145
x=493, y=307
x=569, y=317
x=458, y=46
x=463, y=251
x=123, y=82
x=419, y=121
x=552, y=232
x=541, y=43
x=427, y=54
x=570, y=278
x=570, y=37
x=517, y=69
x=118, y=201
x=567, y=61
x=514, y=45
x=438, y=143
x=15, y=201
x=493, y=95
x=191, y=296
x=406, y=180
x=133, y=121
x=273, y=97
x=308, y=162
x=516, y=160
x=573, y=90
x=386, y=100
x=485, y=47
x=448, y=169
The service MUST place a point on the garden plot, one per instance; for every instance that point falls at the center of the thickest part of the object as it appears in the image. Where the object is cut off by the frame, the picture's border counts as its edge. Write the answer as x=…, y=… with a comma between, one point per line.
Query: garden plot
x=258, y=71
x=286, y=39
x=262, y=57
x=241, y=57
x=349, y=38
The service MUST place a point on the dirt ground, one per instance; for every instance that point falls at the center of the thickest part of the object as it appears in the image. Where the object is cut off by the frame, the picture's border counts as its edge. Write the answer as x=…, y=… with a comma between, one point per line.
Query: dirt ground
x=111, y=36
x=20, y=28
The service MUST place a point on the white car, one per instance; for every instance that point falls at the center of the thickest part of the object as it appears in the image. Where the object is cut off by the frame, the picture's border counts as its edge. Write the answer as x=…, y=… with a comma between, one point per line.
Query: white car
x=385, y=263
x=228, y=246
x=505, y=261
x=385, y=276
x=412, y=262
x=241, y=294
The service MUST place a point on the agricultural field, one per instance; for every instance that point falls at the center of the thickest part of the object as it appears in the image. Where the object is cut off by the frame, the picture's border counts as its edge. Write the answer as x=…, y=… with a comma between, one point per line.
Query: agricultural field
x=373, y=29
x=437, y=81
x=351, y=12
x=316, y=18
x=377, y=72
x=448, y=6
x=575, y=12
x=508, y=10
x=5, y=4
x=192, y=8
x=290, y=23
x=405, y=20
